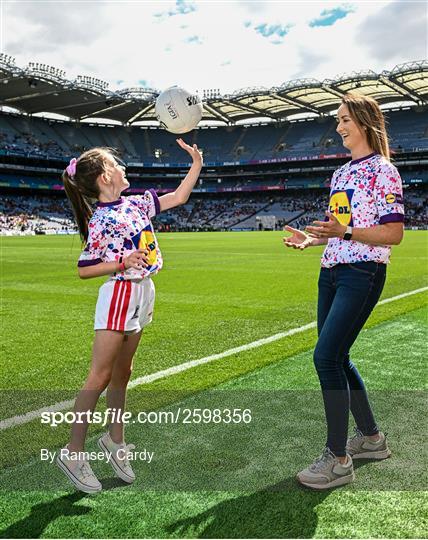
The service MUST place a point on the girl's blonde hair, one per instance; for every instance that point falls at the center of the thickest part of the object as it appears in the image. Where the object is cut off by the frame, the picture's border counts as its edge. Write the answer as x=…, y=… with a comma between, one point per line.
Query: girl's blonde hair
x=82, y=188
x=365, y=111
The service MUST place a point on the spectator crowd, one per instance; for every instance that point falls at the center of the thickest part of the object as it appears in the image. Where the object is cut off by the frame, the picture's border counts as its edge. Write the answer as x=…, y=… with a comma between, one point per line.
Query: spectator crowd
x=52, y=215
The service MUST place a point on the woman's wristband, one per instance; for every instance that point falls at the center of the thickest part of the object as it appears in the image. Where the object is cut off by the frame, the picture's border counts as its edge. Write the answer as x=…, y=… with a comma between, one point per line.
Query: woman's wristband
x=122, y=266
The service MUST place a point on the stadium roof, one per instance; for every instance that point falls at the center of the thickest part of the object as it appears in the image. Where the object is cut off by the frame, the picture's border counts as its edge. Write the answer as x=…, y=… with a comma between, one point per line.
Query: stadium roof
x=39, y=88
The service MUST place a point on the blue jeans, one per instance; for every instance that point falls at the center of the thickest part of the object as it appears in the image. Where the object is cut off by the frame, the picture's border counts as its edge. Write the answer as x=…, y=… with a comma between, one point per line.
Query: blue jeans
x=347, y=294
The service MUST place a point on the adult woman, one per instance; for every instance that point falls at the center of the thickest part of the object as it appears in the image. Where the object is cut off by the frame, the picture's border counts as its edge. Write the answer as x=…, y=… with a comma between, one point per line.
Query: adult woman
x=365, y=217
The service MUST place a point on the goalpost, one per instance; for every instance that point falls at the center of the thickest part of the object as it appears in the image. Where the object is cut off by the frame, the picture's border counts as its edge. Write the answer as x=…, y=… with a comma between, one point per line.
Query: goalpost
x=266, y=223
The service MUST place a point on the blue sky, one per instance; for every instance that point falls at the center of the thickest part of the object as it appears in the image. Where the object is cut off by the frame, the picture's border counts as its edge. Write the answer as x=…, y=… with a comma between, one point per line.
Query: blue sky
x=328, y=17
x=225, y=45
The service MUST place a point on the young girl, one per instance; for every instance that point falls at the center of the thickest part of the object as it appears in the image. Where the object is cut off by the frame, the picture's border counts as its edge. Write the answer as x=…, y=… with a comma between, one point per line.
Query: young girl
x=120, y=243
x=364, y=220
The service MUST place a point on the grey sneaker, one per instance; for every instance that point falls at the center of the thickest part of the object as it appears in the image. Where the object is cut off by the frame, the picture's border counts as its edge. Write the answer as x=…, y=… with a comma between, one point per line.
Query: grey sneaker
x=327, y=472
x=118, y=454
x=79, y=472
x=362, y=447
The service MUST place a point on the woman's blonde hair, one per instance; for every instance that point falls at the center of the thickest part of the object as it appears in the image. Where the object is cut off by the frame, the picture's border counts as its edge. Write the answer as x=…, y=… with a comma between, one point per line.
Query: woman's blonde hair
x=365, y=112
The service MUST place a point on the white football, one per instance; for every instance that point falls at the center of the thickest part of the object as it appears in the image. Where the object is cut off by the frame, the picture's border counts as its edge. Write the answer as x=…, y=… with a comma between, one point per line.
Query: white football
x=177, y=110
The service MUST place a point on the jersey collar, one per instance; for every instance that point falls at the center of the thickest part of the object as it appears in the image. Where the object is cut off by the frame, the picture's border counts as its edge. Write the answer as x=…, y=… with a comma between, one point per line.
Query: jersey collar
x=354, y=161
x=112, y=203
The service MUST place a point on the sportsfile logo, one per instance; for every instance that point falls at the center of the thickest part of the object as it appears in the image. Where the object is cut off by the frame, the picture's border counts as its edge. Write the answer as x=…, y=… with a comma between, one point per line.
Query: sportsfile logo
x=110, y=415
x=179, y=416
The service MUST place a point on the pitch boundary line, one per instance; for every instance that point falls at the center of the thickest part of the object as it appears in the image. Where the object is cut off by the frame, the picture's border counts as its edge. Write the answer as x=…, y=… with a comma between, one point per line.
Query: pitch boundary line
x=146, y=379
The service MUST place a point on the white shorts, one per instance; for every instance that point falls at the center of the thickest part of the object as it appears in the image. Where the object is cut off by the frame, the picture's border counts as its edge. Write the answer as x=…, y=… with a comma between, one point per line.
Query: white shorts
x=125, y=306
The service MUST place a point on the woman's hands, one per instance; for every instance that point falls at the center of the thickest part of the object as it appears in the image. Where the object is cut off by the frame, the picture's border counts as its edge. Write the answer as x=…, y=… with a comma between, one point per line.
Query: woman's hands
x=298, y=239
x=316, y=234
x=327, y=229
x=138, y=259
x=192, y=150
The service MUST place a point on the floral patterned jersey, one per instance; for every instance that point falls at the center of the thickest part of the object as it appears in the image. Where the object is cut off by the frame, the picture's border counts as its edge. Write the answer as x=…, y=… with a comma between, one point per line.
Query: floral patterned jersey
x=364, y=192
x=118, y=228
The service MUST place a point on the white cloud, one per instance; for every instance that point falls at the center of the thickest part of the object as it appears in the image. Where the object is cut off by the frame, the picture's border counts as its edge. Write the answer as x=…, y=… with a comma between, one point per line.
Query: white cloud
x=201, y=44
x=380, y=40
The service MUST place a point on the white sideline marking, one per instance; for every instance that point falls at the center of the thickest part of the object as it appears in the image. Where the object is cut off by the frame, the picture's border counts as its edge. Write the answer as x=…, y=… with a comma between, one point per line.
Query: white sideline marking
x=399, y=296
x=63, y=405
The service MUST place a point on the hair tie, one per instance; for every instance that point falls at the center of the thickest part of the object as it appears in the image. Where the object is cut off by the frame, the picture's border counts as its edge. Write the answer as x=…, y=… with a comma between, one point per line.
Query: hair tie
x=71, y=168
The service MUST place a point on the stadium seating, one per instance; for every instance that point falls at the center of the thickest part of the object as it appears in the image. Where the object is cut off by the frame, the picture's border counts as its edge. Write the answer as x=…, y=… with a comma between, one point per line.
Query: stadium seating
x=30, y=135
x=246, y=206
x=47, y=215
x=35, y=215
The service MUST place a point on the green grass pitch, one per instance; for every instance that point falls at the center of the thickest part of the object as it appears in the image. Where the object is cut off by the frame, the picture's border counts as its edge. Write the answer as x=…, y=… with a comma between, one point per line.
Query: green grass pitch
x=216, y=291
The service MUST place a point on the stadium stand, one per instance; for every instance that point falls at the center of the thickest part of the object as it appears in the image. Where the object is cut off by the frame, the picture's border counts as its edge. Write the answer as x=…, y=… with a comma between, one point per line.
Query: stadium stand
x=46, y=215
x=35, y=215
x=268, y=164
x=37, y=136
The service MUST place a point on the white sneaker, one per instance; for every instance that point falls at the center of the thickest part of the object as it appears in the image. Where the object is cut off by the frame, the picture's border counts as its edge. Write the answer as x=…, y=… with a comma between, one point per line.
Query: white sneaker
x=118, y=457
x=327, y=472
x=80, y=474
x=362, y=447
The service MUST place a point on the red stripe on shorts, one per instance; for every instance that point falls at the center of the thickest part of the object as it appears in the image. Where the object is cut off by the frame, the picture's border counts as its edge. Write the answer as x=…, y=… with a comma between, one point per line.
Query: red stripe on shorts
x=125, y=306
x=119, y=305
x=113, y=303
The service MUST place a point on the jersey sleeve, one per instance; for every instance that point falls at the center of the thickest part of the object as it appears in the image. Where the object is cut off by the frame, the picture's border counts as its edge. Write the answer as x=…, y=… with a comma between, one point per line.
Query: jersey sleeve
x=147, y=203
x=388, y=194
x=96, y=246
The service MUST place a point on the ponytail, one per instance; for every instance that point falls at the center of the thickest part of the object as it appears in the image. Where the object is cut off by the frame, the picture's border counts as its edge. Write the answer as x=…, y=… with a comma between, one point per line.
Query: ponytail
x=82, y=209
x=81, y=187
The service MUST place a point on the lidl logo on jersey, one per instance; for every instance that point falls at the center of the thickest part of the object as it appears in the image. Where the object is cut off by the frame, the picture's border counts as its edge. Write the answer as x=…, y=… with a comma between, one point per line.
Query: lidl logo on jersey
x=145, y=239
x=340, y=206
x=391, y=198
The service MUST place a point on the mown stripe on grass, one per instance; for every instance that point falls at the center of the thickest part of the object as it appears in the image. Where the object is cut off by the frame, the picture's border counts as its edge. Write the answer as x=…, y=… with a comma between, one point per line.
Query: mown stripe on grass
x=63, y=405
x=29, y=438
x=232, y=459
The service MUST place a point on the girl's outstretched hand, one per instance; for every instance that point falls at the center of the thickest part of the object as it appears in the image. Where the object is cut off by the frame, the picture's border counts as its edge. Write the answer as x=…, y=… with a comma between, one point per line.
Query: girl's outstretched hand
x=192, y=150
